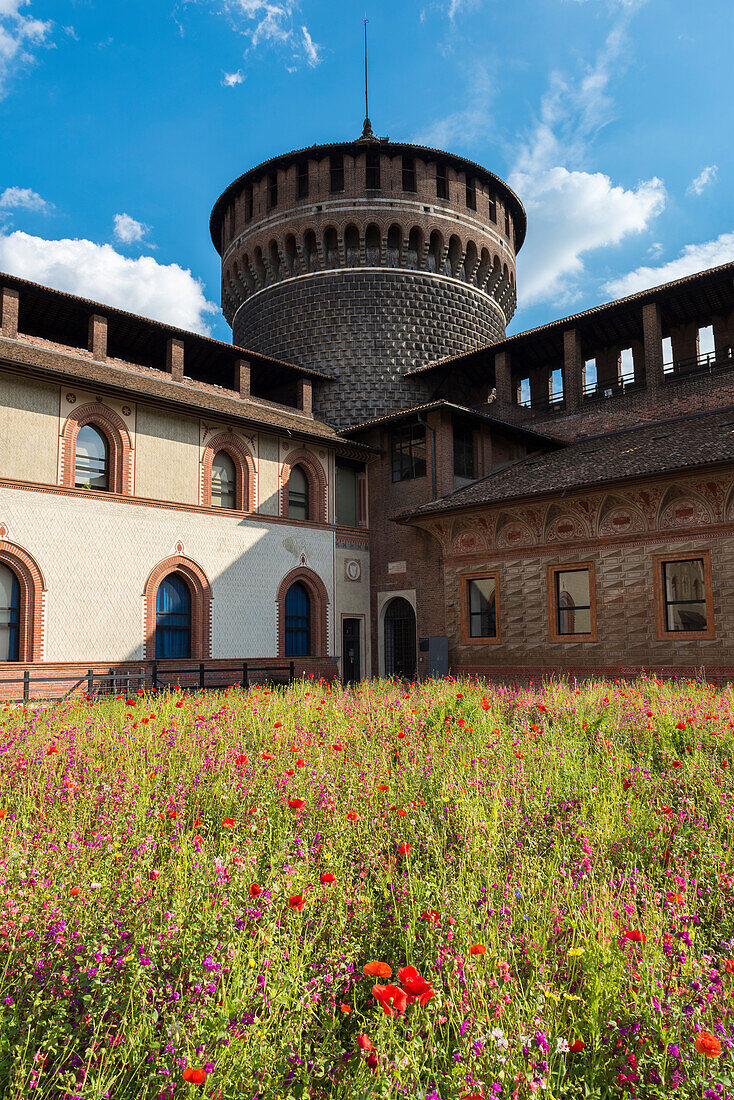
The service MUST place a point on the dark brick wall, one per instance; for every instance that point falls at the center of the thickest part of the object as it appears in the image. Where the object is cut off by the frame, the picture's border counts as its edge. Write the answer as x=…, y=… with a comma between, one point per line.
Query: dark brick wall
x=367, y=328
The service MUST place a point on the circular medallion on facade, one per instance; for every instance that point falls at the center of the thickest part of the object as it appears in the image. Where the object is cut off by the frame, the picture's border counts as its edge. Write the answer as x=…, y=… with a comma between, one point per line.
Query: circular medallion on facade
x=126, y=410
x=353, y=569
x=71, y=398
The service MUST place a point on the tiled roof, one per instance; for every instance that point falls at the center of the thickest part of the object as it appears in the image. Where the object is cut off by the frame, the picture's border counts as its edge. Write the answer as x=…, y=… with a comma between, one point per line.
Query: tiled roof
x=464, y=410
x=704, y=439
x=575, y=318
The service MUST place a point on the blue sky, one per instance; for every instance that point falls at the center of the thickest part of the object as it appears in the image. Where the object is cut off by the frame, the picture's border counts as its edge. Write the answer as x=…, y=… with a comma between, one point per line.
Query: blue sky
x=121, y=123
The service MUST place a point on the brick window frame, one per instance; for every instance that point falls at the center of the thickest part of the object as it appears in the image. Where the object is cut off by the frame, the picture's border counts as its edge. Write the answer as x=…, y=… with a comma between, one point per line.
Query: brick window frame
x=570, y=567
x=663, y=635
x=201, y=604
x=32, y=595
x=319, y=598
x=118, y=439
x=484, y=574
x=245, y=471
x=316, y=479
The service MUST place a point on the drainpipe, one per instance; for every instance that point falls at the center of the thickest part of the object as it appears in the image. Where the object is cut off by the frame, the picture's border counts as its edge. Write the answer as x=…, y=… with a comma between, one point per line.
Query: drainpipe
x=433, y=453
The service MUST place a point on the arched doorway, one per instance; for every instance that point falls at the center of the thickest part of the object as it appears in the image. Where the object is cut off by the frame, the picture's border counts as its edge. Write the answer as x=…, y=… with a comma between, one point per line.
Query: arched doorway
x=400, y=648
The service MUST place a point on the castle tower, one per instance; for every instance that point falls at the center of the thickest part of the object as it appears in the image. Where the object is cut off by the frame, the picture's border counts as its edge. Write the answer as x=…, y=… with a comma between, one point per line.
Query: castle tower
x=365, y=259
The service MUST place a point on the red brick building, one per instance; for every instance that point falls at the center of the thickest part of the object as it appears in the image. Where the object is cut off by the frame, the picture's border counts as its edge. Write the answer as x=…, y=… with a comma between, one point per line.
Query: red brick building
x=374, y=478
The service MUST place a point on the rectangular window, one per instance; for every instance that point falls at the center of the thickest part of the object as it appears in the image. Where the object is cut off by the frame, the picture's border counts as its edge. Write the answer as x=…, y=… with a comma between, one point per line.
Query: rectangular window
x=409, y=174
x=471, y=192
x=523, y=393
x=480, y=613
x=626, y=365
x=302, y=180
x=508, y=226
x=442, y=182
x=555, y=386
x=493, y=209
x=572, y=602
x=590, y=377
x=336, y=172
x=667, y=353
x=705, y=342
x=272, y=190
x=463, y=449
x=347, y=489
x=409, y=452
x=683, y=595
x=372, y=169
x=248, y=204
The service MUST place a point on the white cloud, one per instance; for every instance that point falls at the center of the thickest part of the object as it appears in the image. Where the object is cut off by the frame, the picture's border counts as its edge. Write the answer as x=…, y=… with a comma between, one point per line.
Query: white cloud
x=231, y=80
x=693, y=258
x=313, y=51
x=703, y=179
x=127, y=230
x=269, y=23
x=572, y=211
x=20, y=34
x=22, y=198
x=165, y=292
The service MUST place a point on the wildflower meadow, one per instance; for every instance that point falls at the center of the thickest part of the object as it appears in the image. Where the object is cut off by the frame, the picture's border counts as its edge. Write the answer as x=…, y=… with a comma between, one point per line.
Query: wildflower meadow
x=452, y=892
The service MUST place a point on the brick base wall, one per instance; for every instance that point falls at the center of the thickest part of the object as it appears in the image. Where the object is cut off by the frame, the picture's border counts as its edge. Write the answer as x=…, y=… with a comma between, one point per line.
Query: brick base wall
x=62, y=676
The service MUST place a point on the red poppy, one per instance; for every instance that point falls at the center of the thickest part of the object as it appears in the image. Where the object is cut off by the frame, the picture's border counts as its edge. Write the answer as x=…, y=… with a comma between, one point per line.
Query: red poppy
x=327, y=877
x=635, y=936
x=296, y=803
x=729, y=965
x=626, y=784
x=194, y=1076
x=577, y=1046
x=363, y=1042
x=228, y=822
x=75, y=891
x=404, y=849
x=51, y=750
x=383, y=787
x=392, y=998
x=346, y=1009
x=297, y=902
x=154, y=874
x=254, y=890
x=473, y=1096
x=431, y=915
x=477, y=949
x=485, y=704
x=267, y=755
x=377, y=969
x=337, y=747
x=676, y=899
x=416, y=987
x=708, y=1045
x=351, y=816
x=197, y=823
x=677, y=764
x=2, y=813
x=241, y=760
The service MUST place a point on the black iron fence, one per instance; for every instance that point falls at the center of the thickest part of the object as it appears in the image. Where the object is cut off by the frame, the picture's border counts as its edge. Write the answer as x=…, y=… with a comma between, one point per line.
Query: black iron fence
x=284, y=673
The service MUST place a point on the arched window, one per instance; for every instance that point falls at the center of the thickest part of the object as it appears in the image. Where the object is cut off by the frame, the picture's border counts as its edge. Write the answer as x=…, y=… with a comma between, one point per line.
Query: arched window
x=173, y=618
x=297, y=621
x=9, y=615
x=224, y=481
x=92, y=459
x=297, y=494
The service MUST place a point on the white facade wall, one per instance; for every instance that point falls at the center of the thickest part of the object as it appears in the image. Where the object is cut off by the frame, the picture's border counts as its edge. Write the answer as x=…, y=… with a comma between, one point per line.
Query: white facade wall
x=96, y=556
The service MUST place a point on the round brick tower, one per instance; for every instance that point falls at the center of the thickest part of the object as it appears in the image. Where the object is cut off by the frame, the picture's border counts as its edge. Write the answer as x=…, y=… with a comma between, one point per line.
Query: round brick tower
x=365, y=259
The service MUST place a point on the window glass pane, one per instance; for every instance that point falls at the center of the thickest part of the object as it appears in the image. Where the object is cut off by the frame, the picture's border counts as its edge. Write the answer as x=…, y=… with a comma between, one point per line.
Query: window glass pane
x=297, y=621
x=346, y=496
x=337, y=172
x=297, y=494
x=463, y=449
x=224, y=481
x=409, y=452
x=442, y=184
x=706, y=340
x=626, y=365
x=91, y=459
x=9, y=614
x=372, y=181
x=482, y=612
x=573, y=601
x=173, y=618
x=685, y=595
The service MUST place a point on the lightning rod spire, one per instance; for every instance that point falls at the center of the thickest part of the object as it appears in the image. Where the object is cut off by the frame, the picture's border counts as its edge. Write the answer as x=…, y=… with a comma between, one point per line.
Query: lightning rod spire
x=367, y=128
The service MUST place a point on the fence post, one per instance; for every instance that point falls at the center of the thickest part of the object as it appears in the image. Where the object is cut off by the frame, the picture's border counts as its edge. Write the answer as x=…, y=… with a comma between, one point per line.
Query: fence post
x=155, y=675
x=90, y=681
x=26, y=686
x=201, y=675
x=292, y=670
x=245, y=676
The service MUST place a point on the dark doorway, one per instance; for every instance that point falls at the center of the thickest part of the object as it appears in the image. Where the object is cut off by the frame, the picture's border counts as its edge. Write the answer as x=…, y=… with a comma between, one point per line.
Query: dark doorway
x=351, y=662
x=400, y=639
